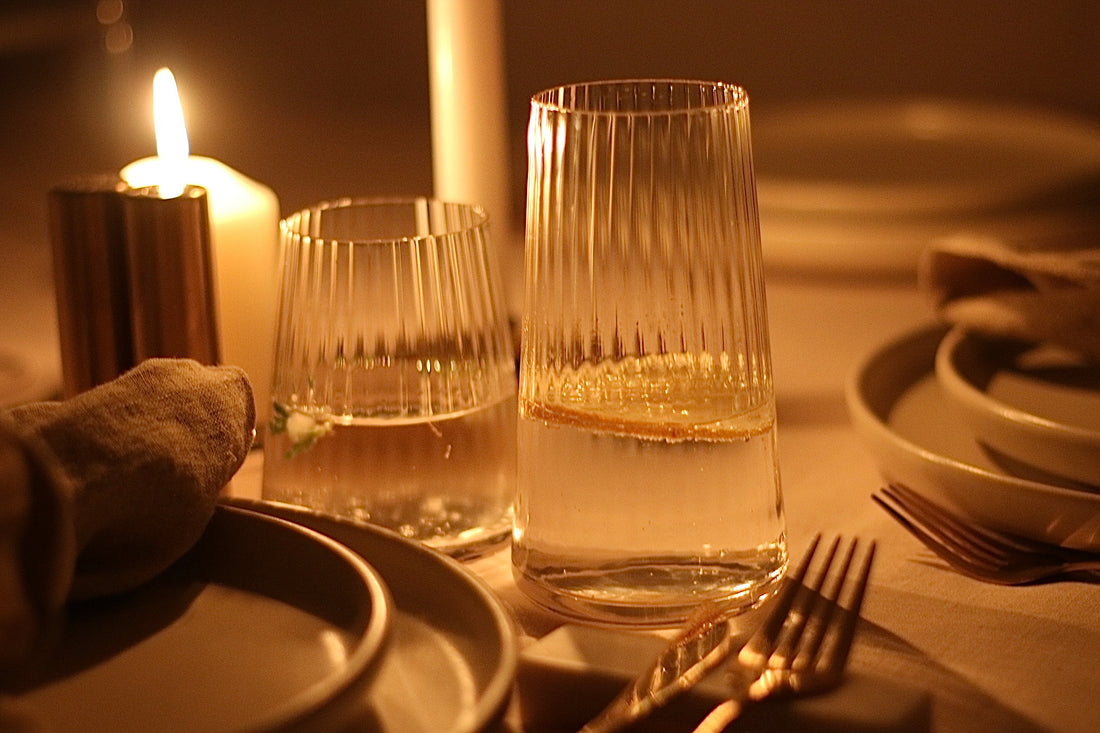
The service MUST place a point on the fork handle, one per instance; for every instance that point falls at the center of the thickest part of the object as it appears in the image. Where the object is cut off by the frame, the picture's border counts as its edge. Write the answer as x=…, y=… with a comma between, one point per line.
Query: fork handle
x=720, y=717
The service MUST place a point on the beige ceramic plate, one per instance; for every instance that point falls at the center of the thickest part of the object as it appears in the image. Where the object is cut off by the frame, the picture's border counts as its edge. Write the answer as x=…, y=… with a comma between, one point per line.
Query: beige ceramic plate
x=263, y=625
x=915, y=156
x=918, y=437
x=1034, y=409
x=864, y=186
x=452, y=659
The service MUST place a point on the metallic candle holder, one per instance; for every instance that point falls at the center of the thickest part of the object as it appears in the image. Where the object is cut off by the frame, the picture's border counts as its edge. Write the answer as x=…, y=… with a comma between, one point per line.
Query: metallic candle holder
x=170, y=274
x=87, y=233
x=133, y=276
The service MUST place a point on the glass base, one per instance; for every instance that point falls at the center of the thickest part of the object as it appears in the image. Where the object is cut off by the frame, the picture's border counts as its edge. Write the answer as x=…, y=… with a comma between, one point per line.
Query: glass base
x=473, y=542
x=459, y=528
x=651, y=595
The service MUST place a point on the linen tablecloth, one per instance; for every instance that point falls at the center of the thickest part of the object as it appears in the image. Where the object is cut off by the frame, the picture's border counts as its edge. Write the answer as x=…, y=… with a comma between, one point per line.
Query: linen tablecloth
x=993, y=658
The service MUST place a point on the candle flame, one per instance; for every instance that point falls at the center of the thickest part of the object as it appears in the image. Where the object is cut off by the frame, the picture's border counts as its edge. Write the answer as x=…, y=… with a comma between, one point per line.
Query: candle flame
x=171, y=132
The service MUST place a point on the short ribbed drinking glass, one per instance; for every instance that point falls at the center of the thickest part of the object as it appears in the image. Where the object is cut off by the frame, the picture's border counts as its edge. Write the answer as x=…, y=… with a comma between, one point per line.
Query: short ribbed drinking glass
x=394, y=388
x=648, y=477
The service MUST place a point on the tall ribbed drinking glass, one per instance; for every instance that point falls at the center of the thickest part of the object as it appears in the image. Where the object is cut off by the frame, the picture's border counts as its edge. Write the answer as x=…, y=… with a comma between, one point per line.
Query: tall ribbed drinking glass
x=648, y=478
x=395, y=387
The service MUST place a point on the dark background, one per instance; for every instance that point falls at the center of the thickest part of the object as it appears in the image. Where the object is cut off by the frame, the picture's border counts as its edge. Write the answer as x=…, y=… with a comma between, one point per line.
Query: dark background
x=330, y=98
x=312, y=98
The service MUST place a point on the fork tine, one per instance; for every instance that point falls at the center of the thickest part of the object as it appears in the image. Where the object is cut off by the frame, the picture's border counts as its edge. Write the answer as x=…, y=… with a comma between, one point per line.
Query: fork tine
x=1009, y=547
x=990, y=539
x=945, y=552
x=835, y=654
x=917, y=503
x=792, y=638
x=824, y=608
x=760, y=645
x=774, y=675
x=1007, y=562
x=946, y=528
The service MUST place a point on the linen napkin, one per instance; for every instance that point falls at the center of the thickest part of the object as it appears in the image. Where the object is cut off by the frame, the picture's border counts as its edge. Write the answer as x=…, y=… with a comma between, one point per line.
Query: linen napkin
x=1038, y=283
x=101, y=492
x=37, y=545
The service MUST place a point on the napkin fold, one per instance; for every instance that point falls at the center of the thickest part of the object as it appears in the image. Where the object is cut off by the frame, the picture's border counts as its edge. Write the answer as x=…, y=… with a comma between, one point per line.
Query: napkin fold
x=101, y=492
x=1034, y=284
x=37, y=544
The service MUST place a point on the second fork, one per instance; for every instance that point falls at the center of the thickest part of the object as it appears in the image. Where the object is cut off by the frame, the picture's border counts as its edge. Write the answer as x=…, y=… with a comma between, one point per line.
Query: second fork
x=802, y=646
x=980, y=552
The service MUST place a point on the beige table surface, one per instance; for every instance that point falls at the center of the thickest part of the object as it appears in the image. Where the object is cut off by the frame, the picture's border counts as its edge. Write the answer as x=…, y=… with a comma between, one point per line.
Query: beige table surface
x=993, y=658
x=996, y=659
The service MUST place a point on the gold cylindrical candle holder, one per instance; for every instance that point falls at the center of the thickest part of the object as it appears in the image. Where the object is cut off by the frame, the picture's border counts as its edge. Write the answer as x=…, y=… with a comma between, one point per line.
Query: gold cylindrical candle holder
x=171, y=277
x=88, y=238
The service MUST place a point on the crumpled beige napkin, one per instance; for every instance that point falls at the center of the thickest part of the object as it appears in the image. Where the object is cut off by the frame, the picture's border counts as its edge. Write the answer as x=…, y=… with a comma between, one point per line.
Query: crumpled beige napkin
x=1038, y=286
x=37, y=544
x=101, y=492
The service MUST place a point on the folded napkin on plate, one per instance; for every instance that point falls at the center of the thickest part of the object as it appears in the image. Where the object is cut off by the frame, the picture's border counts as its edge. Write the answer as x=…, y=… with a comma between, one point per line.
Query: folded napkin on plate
x=1038, y=286
x=102, y=492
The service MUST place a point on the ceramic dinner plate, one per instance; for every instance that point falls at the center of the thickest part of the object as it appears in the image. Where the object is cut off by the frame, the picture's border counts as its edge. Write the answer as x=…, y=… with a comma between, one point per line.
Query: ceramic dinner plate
x=262, y=625
x=865, y=185
x=919, y=437
x=1033, y=409
x=452, y=657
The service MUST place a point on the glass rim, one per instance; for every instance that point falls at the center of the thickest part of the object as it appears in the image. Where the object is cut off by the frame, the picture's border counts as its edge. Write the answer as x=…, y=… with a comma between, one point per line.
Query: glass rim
x=739, y=97
x=289, y=224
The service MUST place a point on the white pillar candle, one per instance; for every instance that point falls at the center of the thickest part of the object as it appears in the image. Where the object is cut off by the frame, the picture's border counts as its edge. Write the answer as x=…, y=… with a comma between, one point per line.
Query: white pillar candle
x=244, y=220
x=469, y=131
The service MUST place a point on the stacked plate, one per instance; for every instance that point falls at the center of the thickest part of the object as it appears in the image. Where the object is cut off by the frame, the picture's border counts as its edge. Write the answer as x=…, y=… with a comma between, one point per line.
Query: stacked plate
x=1036, y=411
x=1006, y=434
x=280, y=619
x=863, y=186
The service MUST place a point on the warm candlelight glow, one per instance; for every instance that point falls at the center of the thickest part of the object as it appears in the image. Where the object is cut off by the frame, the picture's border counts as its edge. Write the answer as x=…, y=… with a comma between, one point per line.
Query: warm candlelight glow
x=244, y=221
x=171, y=132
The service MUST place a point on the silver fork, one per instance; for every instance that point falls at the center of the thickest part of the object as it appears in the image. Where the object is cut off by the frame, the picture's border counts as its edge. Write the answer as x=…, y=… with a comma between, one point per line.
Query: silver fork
x=980, y=552
x=802, y=646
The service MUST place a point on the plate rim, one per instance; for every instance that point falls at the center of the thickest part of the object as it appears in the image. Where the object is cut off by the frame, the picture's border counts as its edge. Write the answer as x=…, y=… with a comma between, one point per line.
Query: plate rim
x=955, y=117
x=496, y=695
x=317, y=704
x=323, y=702
x=1002, y=425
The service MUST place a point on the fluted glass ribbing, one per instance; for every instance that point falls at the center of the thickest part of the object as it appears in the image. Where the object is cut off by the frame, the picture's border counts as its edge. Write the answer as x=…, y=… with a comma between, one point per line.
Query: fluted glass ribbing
x=640, y=222
x=647, y=476
x=395, y=383
x=397, y=324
